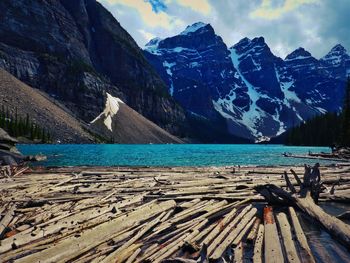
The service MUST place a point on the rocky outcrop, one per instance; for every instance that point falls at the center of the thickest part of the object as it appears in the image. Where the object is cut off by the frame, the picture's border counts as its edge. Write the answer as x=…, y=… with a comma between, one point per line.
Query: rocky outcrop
x=76, y=51
x=9, y=155
x=6, y=141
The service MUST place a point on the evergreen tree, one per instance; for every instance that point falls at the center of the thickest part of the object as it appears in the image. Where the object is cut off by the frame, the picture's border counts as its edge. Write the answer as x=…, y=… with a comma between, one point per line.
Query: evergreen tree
x=27, y=124
x=345, y=127
x=323, y=130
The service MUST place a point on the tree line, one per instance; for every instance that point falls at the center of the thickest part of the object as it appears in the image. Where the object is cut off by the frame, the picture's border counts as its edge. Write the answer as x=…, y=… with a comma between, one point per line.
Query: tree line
x=324, y=130
x=16, y=126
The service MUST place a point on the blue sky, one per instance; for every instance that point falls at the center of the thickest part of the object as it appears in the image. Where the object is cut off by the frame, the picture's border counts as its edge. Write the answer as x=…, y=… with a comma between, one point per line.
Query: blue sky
x=316, y=25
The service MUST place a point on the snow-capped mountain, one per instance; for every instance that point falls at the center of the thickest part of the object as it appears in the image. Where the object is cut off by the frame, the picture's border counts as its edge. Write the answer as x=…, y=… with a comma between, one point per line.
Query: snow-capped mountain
x=337, y=62
x=258, y=94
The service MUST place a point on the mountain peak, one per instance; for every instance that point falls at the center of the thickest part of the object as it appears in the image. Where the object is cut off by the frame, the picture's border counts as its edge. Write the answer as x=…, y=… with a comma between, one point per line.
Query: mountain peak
x=243, y=42
x=259, y=40
x=336, y=56
x=337, y=51
x=153, y=41
x=194, y=28
x=299, y=53
x=339, y=48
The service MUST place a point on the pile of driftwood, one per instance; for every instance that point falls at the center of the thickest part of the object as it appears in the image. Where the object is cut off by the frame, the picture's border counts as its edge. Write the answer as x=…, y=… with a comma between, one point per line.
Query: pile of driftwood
x=163, y=214
x=337, y=155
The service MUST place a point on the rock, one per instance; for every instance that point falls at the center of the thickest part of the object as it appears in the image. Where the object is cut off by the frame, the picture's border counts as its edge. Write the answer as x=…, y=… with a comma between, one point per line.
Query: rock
x=8, y=160
x=6, y=139
x=35, y=158
x=19, y=158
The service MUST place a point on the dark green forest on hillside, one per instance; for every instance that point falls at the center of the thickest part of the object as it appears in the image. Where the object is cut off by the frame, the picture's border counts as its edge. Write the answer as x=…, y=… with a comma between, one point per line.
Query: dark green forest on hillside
x=324, y=130
x=16, y=126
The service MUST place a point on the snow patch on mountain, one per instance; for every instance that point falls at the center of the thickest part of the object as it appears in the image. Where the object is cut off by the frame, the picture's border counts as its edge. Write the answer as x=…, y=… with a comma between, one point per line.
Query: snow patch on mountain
x=250, y=117
x=276, y=117
x=193, y=28
x=285, y=88
x=152, y=46
x=296, y=58
x=168, y=67
x=225, y=106
x=111, y=109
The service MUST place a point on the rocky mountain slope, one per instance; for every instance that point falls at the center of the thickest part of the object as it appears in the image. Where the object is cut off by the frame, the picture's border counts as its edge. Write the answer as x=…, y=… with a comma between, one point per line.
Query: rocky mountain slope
x=118, y=122
x=15, y=95
x=76, y=51
x=258, y=94
x=121, y=124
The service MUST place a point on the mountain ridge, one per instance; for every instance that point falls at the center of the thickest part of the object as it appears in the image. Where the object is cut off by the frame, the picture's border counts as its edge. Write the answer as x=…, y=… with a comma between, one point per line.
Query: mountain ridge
x=259, y=94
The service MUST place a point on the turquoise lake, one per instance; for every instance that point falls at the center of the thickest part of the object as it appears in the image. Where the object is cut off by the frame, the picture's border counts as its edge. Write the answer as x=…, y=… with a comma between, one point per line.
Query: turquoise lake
x=168, y=155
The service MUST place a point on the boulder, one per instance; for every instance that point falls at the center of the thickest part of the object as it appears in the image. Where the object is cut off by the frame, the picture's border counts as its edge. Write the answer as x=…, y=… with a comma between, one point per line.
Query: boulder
x=6, y=139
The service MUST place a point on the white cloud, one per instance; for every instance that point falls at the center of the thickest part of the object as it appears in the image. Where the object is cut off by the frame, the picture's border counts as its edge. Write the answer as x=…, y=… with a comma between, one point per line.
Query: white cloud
x=268, y=11
x=285, y=24
x=147, y=35
x=149, y=17
x=200, y=6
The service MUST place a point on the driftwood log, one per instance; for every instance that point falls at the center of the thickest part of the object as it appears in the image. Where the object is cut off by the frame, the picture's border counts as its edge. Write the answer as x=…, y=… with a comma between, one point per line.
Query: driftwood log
x=306, y=200
x=159, y=214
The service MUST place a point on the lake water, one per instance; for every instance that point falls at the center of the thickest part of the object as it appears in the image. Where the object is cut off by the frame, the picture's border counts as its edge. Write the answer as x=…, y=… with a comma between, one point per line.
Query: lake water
x=168, y=155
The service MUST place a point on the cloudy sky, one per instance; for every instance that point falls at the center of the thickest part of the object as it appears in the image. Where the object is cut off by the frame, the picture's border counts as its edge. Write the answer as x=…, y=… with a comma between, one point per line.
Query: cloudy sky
x=316, y=25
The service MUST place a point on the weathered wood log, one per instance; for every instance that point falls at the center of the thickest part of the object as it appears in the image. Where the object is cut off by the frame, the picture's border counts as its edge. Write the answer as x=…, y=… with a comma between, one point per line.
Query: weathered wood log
x=245, y=230
x=7, y=219
x=58, y=209
x=299, y=233
x=247, y=220
x=238, y=253
x=176, y=245
x=333, y=225
x=273, y=250
x=252, y=235
x=219, y=227
x=258, y=245
x=72, y=247
x=132, y=258
x=296, y=177
x=286, y=233
x=118, y=255
x=218, y=240
x=289, y=184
